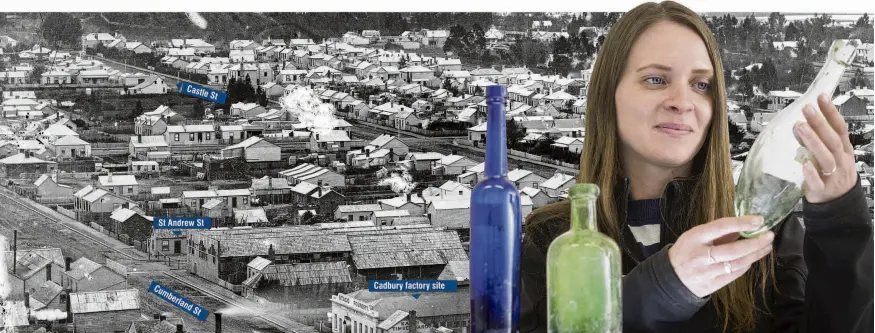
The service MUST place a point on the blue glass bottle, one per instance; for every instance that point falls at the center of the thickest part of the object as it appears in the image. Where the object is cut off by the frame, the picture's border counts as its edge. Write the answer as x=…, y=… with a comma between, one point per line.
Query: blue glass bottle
x=496, y=231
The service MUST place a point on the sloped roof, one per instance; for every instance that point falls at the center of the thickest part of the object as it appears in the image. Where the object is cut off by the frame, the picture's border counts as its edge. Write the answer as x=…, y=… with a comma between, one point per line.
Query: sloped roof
x=102, y=301
x=70, y=140
x=82, y=268
x=416, y=248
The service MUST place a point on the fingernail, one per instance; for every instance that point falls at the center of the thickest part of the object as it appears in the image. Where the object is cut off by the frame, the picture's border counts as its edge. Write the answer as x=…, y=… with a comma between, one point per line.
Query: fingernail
x=808, y=110
x=770, y=236
x=757, y=221
x=823, y=97
x=803, y=129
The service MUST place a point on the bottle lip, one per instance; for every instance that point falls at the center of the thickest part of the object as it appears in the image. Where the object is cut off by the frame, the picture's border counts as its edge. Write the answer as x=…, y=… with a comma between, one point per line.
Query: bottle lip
x=584, y=190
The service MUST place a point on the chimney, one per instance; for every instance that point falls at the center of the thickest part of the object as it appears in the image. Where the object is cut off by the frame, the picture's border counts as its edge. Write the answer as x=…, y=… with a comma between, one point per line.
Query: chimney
x=139, y=138
x=67, y=268
x=179, y=328
x=429, y=217
x=319, y=183
x=49, y=271
x=412, y=322
x=368, y=153
x=320, y=192
x=317, y=136
x=408, y=196
x=69, y=309
x=162, y=317
x=156, y=316
x=14, y=250
x=218, y=322
x=27, y=298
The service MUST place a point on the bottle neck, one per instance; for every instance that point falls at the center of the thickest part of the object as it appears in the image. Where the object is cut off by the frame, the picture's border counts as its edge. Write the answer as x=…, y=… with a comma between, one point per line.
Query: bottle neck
x=583, y=213
x=828, y=77
x=496, y=139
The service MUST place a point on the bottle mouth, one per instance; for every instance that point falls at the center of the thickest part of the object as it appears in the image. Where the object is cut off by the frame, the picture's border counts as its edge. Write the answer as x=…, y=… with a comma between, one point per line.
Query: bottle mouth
x=584, y=190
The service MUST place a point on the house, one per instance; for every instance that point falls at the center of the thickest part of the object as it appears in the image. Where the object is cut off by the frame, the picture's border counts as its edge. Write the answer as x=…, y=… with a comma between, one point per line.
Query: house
x=424, y=161
x=55, y=131
x=385, y=73
x=332, y=140
x=155, y=122
x=137, y=47
x=452, y=165
x=556, y=185
x=452, y=188
x=287, y=76
x=251, y=217
x=740, y=120
x=105, y=311
x=382, y=311
x=779, y=99
x=247, y=110
x=47, y=186
x=119, y=184
x=56, y=77
x=71, y=146
x=237, y=198
x=406, y=202
x=188, y=135
x=452, y=213
x=477, y=134
x=48, y=296
x=446, y=64
x=313, y=174
x=144, y=144
x=144, y=166
x=416, y=74
x=31, y=268
x=271, y=190
x=242, y=55
x=352, y=213
x=574, y=145
x=524, y=178
x=854, y=109
x=414, y=253
x=87, y=276
x=392, y=143
x=253, y=149
x=100, y=76
x=538, y=197
x=272, y=89
x=135, y=225
x=91, y=200
x=14, y=166
x=168, y=242
x=154, y=85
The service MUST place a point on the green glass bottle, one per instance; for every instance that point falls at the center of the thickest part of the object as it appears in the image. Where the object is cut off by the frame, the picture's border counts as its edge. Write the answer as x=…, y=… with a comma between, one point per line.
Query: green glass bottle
x=584, y=273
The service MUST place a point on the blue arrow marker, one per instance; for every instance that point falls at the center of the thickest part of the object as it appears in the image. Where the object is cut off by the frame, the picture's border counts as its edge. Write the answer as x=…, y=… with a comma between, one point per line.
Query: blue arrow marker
x=416, y=296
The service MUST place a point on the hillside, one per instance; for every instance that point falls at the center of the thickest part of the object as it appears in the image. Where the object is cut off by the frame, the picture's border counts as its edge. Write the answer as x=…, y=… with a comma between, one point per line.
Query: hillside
x=223, y=27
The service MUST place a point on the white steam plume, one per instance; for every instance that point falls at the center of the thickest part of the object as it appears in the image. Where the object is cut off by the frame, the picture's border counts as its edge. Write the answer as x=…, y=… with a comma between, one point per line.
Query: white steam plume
x=310, y=111
x=400, y=183
x=197, y=19
x=53, y=314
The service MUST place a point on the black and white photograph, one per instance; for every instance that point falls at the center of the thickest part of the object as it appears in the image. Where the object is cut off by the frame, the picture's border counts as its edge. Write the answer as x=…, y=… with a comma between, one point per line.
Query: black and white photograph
x=257, y=171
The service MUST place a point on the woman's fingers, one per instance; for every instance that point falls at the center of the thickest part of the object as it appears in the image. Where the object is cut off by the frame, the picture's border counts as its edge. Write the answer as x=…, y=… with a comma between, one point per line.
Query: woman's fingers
x=836, y=121
x=824, y=156
x=741, y=248
x=823, y=129
x=707, y=233
x=719, y=269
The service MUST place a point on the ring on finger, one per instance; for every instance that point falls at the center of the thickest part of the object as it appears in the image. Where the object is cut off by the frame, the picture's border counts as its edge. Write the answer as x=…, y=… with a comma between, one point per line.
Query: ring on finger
x=827, y=173
x=711, y=259
x=727, y=267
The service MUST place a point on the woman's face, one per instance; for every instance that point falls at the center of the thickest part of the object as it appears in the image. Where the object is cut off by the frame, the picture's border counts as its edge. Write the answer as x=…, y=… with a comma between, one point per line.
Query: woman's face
x=663, y=103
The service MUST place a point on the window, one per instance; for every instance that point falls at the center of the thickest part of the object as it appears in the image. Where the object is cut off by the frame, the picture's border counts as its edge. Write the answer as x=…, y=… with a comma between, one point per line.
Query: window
x=208, y=135
x=245, y=200
x=175, y=136
x=165, y=245
x=130, y=189
x=190, y=136
x=350, y=218
x=194, y=203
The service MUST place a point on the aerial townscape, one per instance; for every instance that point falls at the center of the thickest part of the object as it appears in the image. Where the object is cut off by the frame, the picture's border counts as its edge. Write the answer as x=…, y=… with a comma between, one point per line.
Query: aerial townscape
x=345, y=151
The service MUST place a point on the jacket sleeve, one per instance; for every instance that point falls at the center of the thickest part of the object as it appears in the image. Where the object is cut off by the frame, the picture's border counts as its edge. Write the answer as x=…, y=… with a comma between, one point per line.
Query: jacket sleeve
x=824, y=279
x=652, y=293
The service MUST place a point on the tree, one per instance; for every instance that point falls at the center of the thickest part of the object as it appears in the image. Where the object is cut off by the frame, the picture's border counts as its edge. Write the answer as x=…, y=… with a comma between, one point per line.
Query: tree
x=561, y=64
x=262, y=97
x=863, y=21
x=36, y=74
x=791, y=32
x=860, y=79
x=138, y=108
x=561, y=46
x=736, y=134
x=233, y=94
x=515, y=132
x=198, y=108
x=61, y=28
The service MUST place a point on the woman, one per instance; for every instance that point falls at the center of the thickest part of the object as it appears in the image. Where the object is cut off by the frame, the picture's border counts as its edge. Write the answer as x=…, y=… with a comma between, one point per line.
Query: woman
x=658, y=147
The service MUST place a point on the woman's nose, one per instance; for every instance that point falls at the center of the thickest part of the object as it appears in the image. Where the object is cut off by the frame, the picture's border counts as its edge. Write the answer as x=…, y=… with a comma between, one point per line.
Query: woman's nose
x=679, y=99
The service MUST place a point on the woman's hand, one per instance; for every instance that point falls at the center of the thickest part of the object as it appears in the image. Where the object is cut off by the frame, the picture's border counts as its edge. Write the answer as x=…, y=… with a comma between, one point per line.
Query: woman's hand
x=710, y=256
x=828, y=141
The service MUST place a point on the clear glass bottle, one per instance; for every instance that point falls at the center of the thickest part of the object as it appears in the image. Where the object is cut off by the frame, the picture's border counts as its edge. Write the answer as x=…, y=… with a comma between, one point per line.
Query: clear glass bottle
x=583, y=272
x=771, y=181
x=496, y=232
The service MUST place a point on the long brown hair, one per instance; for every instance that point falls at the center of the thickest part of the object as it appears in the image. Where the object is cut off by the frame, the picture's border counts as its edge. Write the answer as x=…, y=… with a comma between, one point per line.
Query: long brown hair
x=600, y=159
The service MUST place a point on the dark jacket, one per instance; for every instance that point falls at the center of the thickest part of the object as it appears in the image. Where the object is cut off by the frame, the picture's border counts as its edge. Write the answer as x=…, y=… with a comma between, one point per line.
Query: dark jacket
x=823, y=272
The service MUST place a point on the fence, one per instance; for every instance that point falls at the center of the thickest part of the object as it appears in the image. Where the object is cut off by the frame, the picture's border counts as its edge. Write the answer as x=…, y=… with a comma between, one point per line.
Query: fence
x=66, y=212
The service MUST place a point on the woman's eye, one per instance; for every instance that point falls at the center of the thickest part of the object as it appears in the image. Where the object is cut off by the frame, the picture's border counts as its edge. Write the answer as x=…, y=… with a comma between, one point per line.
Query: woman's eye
x=703, y=85
x=651, y=80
